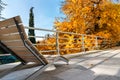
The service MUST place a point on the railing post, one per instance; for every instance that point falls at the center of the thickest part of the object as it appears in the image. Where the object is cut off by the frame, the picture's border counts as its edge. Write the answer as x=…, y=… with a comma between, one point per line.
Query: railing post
x=110, y=43
x=57, y=43
x=83, y=43
x=96, y=42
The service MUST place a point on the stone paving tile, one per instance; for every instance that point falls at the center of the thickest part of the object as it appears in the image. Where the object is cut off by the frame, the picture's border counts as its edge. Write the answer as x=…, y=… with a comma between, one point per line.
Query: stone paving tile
x=107, y=77
x=107, y=69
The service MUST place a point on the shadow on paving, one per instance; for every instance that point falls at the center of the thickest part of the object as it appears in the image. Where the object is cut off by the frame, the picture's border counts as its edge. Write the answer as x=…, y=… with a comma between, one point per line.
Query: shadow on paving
x=104, y=60
x=98, y=57
x=107, y=77
x=61, y=69
x=87, y=58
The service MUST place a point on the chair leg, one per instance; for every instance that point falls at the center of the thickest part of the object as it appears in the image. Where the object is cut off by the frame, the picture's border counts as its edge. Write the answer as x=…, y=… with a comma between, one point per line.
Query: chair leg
x=38, y=72
x=10, y=70
x=62, y=58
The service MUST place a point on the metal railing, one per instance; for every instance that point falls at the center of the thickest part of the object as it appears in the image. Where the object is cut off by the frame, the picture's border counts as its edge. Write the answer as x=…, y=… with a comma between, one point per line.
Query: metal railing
x=58, y=42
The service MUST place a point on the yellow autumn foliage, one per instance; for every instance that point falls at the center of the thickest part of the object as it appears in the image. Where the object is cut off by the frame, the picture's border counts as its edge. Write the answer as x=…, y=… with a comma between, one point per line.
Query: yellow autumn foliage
x=91, y=17
x=95, y=17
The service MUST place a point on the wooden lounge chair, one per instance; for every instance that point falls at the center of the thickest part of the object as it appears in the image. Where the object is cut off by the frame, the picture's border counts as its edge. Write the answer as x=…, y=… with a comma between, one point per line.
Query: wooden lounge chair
x=14, y=40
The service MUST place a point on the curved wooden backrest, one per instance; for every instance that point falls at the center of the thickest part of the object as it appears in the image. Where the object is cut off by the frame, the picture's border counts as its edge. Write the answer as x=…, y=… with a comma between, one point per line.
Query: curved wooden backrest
x=13, y=36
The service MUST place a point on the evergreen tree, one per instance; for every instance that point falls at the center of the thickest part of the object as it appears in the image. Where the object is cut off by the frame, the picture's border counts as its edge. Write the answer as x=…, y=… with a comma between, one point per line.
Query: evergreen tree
x=31, y=24
x=1, y=8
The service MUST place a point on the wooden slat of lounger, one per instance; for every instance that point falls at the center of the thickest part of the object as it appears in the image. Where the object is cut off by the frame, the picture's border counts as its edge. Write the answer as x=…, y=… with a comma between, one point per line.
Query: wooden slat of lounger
x=23, y=31
x=9, y=22
x=10, y=37
x=8, y=30
x=37, y=52
x=30, y=44
x=27, y=56
x=24, y=53
x=31, y=59
x=15, y=43
x=15, y=48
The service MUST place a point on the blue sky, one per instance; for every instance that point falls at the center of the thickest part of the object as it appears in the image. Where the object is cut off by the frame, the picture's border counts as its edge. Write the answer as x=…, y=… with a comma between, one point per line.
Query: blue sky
x=45, y=11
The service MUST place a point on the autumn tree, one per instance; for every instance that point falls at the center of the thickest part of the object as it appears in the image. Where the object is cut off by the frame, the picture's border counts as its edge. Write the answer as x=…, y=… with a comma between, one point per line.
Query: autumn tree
x=31, y=32
x=91, y=17
x=95, y=17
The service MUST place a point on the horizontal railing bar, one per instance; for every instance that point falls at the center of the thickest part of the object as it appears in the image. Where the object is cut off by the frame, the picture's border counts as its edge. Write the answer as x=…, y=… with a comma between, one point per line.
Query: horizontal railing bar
x=69, y=49
x=39, y=29
x=90, y=43
x=63, y=44
x=72, y=38
x=91, y=47
x=5, y=55
x=36, y=37
x=58, y=31
x=80, y=39
x=43, y=44
x=75, y=43
x=68, y=43
x=59, y=38
x=41, y=37
x=48, y=51
x=76, y=39
x=70, y=33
